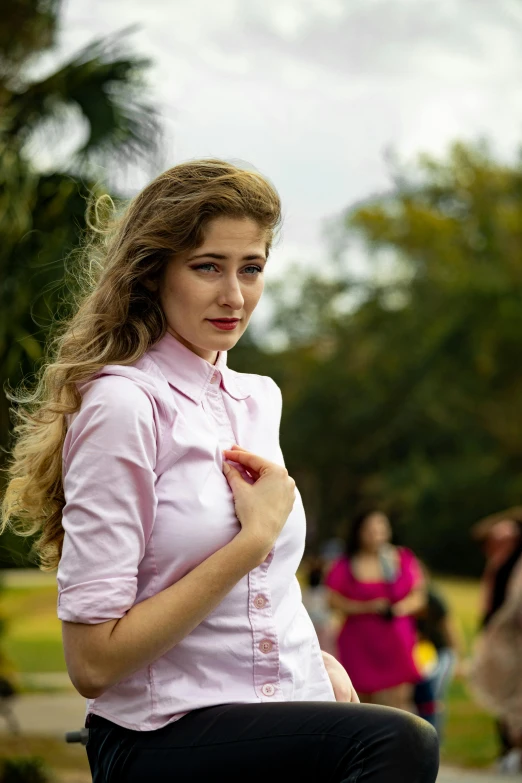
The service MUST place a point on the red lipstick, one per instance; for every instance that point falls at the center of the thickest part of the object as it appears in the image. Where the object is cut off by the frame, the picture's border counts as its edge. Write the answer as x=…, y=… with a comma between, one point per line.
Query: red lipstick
x=226, y=324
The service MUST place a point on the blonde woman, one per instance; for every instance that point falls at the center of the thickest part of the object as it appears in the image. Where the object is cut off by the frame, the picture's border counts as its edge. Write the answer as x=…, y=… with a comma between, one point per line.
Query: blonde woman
x=155, y=476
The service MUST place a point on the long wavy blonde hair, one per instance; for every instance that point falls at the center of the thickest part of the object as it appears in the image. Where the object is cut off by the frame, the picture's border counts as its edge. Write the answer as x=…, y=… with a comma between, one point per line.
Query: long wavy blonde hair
x=116, y=318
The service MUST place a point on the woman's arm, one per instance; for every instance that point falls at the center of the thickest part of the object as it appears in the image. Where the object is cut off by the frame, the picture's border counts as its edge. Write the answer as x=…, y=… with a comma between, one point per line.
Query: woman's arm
x=345, y=605
x=417, y=598
x=101, y=654
x=98, y=656
x=412, y=603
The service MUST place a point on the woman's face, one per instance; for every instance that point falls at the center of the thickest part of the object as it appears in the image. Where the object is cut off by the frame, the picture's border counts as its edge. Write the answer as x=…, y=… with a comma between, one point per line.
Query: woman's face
x=223, y=278
x=375, y=532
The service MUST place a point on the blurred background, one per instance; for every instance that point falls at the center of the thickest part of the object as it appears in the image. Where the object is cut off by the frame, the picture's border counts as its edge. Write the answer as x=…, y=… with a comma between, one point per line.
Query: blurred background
x=392, y=320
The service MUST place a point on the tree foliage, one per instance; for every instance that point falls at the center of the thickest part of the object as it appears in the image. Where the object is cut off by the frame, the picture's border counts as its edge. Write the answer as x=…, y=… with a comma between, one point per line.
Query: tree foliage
x=42, y=210
x=413, y=400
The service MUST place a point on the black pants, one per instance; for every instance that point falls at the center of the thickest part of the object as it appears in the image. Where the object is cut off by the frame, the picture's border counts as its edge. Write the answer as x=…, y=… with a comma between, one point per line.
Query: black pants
x=290, y=742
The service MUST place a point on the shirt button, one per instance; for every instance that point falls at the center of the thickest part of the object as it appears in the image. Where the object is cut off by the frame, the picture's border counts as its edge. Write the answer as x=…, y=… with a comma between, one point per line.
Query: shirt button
x=260, y=601
x=268, y=689
x=214, y=378
x=265, y=645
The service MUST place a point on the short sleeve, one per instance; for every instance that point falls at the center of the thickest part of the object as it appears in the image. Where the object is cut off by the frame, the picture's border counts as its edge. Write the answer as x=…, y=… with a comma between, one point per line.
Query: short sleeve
x=336, y=578
x=109, y=459
x=412, y=567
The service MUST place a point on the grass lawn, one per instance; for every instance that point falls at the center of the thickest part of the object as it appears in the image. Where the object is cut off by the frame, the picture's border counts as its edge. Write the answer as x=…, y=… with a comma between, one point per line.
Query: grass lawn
x=33, y=642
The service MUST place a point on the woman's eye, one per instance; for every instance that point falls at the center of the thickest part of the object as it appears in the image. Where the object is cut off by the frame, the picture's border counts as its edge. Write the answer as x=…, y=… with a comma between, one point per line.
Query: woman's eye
x=250, y=270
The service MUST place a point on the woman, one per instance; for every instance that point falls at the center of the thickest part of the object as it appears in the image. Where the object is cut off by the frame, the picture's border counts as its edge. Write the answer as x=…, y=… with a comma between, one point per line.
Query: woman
x=183, y=624
x=379, y=588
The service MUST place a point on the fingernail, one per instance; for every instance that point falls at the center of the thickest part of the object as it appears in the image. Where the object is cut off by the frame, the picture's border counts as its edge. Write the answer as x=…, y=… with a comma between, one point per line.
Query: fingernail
x=226, y=468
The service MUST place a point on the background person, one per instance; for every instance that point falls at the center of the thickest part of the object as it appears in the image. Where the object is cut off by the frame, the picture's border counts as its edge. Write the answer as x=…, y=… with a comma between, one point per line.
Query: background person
x=315, y=600
x=437, y=627
x=379, y=588
x=177, y=550
x=496, y=668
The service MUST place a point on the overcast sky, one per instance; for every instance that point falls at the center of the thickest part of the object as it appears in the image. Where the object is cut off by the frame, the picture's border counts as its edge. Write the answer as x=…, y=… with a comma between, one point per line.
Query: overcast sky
x=313, y=92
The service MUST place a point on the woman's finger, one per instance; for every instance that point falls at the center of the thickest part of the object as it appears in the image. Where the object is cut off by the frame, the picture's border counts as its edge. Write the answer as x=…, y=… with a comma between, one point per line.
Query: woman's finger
x=247, y=459
x=233, y=474
x=254, y=474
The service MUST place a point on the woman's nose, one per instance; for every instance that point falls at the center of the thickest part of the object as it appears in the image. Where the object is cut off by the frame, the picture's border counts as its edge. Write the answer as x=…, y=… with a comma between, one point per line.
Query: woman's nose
x=230, y=294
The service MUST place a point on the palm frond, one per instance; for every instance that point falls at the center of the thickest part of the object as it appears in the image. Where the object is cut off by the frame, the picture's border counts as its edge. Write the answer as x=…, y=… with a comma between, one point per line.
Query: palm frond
x=28, y=28
x=103, y=82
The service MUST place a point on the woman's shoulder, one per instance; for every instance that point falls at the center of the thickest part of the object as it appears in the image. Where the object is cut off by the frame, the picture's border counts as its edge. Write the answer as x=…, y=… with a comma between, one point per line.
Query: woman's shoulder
x=137, y=389
x=409, y=563
x=255, y=384
x=262, y=392
x=405, y=554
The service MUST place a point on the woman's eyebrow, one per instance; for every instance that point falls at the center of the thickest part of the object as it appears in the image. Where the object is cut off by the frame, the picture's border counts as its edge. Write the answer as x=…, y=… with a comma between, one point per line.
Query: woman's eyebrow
x=220, y=257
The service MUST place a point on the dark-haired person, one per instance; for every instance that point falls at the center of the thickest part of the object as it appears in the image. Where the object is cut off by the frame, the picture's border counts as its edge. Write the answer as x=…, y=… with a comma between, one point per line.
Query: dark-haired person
x=177, y=551
x=379, y=588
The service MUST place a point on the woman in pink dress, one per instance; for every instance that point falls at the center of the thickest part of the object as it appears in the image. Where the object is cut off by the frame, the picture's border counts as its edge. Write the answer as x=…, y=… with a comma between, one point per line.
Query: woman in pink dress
x=379, y=588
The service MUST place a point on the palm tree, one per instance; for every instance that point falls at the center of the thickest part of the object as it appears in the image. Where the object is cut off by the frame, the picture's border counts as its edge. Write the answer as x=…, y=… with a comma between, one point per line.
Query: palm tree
x=42, y=211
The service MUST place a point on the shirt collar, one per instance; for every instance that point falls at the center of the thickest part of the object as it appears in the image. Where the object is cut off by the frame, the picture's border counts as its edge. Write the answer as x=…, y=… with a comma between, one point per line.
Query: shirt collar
x=191, y=374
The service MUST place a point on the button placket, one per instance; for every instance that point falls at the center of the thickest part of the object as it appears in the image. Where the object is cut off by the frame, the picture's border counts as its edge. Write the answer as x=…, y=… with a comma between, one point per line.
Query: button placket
x=264, y=635
x=213, y=403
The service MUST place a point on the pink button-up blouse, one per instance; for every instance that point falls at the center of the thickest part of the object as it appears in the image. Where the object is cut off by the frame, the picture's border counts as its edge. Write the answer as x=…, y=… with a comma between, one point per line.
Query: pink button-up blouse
x=147, y=501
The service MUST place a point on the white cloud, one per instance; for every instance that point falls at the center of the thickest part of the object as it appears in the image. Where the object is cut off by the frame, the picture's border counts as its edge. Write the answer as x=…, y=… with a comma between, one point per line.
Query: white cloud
x=313, y=91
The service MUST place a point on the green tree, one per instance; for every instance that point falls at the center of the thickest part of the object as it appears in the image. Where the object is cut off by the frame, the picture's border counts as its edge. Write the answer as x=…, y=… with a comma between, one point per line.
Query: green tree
x=42, y=212
x=413, y=400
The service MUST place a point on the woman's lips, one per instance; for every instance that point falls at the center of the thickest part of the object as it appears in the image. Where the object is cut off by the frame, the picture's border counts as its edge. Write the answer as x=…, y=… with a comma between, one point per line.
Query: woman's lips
x=223, y=324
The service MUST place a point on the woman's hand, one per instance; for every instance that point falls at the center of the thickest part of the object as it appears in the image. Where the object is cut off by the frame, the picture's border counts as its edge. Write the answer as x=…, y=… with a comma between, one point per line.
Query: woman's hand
x=341, y=683
x=347, y=607
x=263, y=507
x=413, y=603
x=378, y=606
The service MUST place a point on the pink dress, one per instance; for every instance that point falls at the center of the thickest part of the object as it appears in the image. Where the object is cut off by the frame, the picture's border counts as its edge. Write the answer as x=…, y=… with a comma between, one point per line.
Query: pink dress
x=377, y=653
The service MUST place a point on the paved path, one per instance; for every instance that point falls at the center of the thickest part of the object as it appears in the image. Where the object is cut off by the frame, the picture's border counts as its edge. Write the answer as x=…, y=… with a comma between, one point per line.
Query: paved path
x=51, y=714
